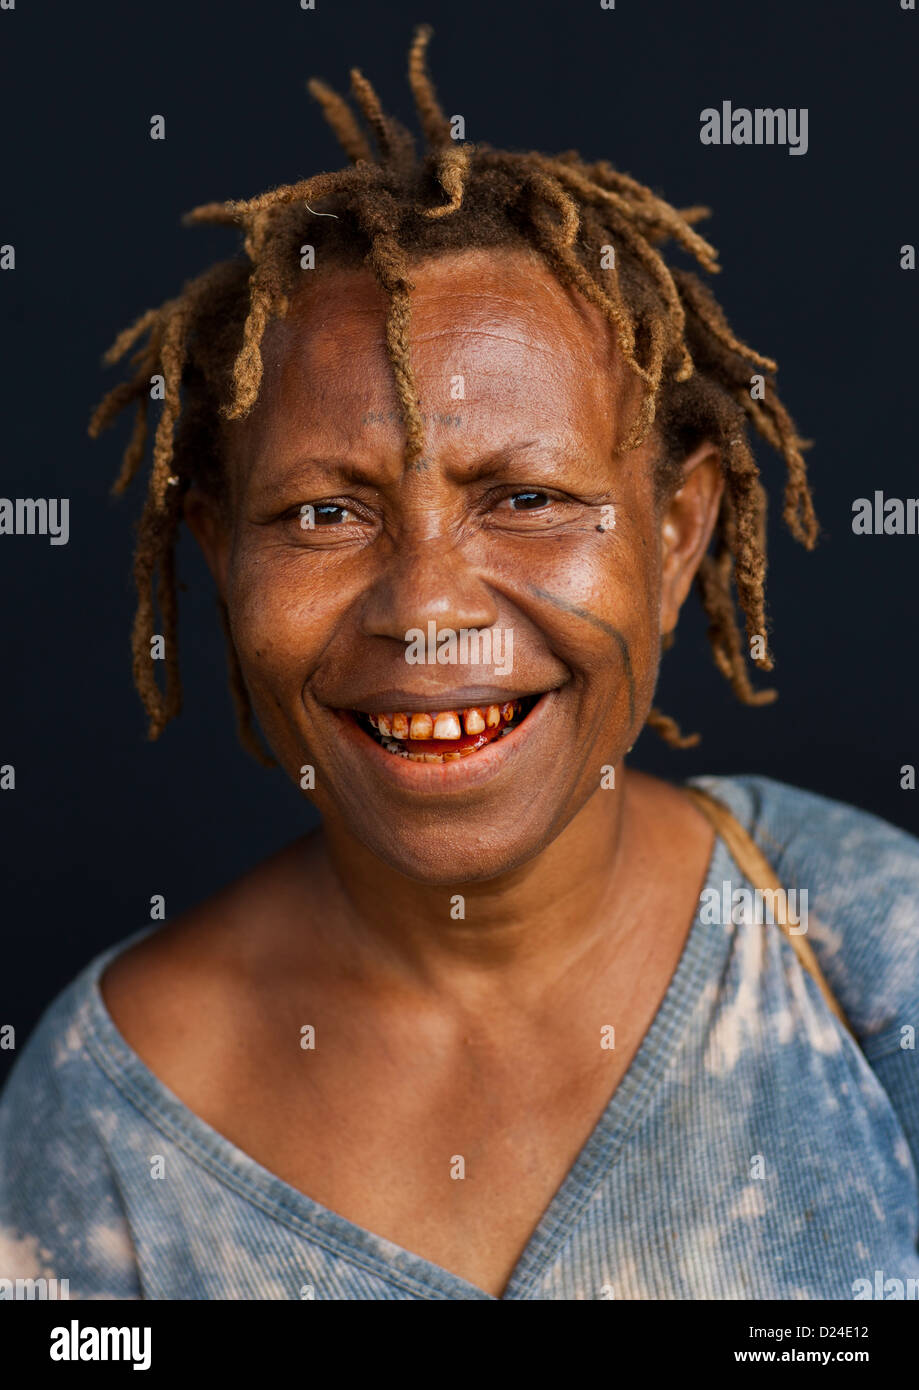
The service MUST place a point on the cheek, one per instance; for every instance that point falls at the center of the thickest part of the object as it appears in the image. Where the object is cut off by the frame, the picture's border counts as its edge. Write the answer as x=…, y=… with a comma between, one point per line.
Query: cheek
x=276, y=618
x=630, y=594
x=601, y=583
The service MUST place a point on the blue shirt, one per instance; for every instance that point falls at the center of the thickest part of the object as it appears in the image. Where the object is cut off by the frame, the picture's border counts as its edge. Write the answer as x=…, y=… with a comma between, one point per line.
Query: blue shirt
x=752, y=1150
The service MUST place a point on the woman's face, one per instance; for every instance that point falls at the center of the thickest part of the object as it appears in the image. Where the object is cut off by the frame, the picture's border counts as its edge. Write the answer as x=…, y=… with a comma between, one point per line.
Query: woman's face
x=522, y=521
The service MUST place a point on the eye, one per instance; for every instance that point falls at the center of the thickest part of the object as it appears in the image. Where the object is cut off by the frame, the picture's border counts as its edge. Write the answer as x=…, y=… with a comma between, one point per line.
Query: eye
x=534, y=510
x=332, y=514
x=313, y=514
x=527, y=501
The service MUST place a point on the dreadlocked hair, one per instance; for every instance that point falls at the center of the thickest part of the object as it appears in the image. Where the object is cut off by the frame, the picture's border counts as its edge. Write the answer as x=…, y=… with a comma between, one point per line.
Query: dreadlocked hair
x=203, y=348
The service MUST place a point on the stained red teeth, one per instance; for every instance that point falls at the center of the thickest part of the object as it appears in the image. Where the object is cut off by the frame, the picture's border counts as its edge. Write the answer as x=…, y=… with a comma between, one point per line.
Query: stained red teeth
x=473, y=722
x=447, y=725
x=421, y=726
x=427, y=736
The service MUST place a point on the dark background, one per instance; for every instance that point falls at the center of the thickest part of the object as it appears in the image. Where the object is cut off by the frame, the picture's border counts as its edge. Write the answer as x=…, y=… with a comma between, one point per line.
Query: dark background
x=100, y=819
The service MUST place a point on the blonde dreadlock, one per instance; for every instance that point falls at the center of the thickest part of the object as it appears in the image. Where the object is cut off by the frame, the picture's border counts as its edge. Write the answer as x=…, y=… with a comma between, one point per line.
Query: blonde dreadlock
x=670, y=330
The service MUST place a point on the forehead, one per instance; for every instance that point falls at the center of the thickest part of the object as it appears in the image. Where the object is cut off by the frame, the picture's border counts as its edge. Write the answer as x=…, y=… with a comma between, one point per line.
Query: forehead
x=492, y=336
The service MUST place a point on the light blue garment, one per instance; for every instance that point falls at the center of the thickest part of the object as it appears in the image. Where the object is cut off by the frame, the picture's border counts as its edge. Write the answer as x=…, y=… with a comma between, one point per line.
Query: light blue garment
x=743, y=1072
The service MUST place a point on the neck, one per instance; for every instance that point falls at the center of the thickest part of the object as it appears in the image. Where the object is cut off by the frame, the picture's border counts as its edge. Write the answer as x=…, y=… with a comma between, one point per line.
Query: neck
x=531, y=924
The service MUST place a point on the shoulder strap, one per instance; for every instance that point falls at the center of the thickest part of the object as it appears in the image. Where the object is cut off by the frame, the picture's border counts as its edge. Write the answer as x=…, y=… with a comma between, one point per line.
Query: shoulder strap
x=756, y=867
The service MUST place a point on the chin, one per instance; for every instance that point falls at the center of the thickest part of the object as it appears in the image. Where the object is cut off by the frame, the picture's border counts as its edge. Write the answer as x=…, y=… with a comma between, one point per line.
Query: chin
x=440, y=860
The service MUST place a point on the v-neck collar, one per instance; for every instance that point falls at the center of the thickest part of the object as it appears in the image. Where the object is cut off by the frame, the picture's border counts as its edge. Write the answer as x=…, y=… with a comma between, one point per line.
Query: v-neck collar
x=699, y=962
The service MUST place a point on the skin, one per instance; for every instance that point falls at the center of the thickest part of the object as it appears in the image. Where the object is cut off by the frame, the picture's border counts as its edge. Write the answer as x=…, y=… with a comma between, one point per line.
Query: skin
x=578, y=899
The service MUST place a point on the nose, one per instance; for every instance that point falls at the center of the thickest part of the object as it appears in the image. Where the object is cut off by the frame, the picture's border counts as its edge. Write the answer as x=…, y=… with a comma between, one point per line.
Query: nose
x=430, y=580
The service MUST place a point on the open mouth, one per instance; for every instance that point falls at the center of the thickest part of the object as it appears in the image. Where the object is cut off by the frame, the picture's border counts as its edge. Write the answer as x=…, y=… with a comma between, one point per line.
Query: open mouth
x=443, y=735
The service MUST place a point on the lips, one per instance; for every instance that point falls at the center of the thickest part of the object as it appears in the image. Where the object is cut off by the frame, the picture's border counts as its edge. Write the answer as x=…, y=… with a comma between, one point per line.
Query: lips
x=442, y=735
x=456, y=783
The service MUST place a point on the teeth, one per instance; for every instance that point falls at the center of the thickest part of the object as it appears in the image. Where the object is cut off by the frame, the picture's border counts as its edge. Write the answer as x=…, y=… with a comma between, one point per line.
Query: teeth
x=441, y=724
x=473, y=721
x=422, y=726
x=392, y=746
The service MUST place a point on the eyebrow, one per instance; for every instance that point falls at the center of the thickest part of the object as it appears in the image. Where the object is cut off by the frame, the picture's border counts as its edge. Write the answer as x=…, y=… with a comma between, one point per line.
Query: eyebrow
x=468, y=471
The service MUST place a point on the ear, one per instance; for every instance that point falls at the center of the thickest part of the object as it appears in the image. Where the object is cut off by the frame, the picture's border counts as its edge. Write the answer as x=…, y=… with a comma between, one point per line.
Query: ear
x=206, y=520
x=686, y=527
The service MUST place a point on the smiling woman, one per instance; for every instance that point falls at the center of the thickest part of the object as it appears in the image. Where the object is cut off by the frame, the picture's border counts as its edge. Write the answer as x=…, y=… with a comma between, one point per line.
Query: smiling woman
x=467, y=416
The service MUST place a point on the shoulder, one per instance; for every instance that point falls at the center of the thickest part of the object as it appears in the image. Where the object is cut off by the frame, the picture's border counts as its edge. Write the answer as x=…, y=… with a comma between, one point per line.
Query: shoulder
x=861, y=875
x=55, y=1067
x=186, y=990
x=816, y=825
x=61, y=1214
x=854, y=857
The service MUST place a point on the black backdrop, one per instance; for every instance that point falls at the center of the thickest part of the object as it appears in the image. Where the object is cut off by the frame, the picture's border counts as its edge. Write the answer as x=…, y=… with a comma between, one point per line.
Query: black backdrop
x=100, y=819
